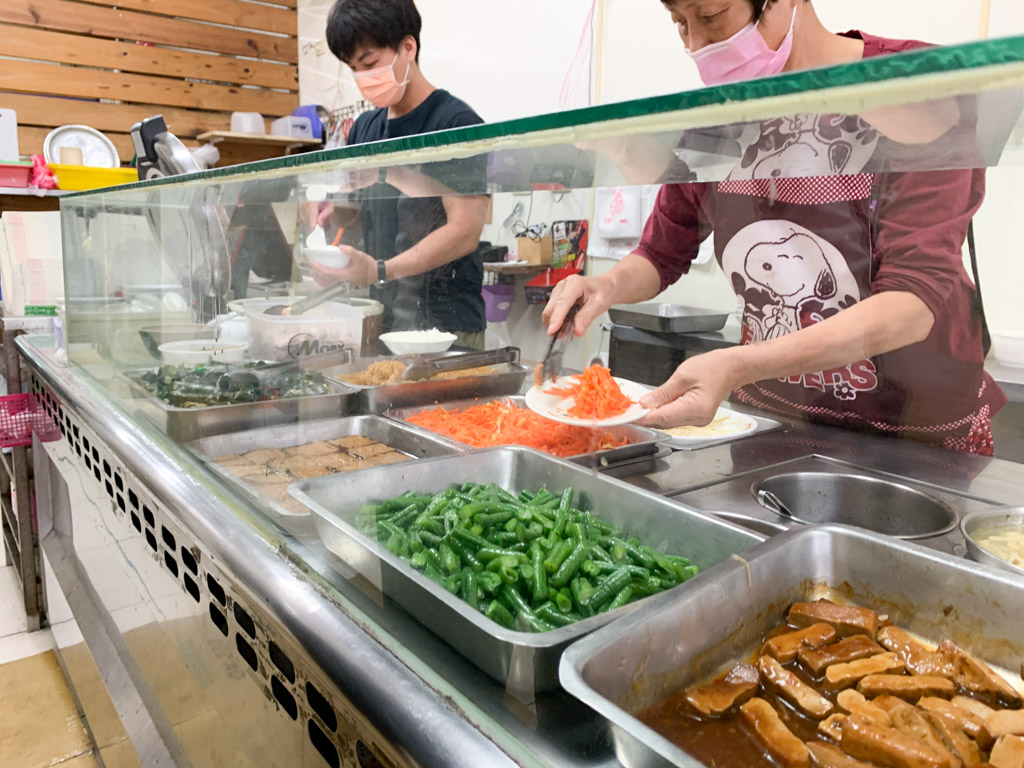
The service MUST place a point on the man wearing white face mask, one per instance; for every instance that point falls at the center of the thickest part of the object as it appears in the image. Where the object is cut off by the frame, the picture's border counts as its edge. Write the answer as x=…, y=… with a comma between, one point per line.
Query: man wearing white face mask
x=857, y=309
x=420, y=244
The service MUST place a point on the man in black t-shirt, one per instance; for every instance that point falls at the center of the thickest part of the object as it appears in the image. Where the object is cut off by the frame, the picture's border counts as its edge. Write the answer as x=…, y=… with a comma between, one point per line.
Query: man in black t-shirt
x=420, y=235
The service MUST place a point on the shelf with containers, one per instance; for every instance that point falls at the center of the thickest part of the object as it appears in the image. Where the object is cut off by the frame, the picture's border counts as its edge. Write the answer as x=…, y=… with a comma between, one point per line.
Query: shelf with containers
x=209, y=581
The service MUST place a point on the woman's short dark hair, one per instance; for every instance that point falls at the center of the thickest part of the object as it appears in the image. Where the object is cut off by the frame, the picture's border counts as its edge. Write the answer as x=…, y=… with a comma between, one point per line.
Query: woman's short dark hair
x=381, y=23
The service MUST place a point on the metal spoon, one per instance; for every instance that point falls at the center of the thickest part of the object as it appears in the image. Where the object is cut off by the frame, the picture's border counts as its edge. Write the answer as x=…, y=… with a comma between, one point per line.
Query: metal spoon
x=307, y=304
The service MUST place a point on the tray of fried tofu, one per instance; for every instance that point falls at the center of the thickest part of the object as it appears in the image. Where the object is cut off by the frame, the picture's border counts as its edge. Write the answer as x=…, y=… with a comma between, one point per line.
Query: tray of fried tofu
x=826, y=646
x=264, y=462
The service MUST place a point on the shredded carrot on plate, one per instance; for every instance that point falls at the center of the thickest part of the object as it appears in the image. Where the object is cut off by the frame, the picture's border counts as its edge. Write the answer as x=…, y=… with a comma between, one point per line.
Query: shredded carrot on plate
x=596, y=395
x=499, y=422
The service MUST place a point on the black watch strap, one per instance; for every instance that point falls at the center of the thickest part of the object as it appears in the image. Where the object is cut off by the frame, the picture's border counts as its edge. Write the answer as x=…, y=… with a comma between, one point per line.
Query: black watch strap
x=382, y=272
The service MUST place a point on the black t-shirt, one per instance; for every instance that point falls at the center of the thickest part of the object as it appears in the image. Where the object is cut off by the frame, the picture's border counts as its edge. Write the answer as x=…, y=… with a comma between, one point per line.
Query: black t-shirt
x=449, y=297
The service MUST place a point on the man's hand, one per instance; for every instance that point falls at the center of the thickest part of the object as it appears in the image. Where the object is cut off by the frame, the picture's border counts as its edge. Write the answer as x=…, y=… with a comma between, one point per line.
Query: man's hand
x=590, y=292
x=361, y=270
x=693, y=392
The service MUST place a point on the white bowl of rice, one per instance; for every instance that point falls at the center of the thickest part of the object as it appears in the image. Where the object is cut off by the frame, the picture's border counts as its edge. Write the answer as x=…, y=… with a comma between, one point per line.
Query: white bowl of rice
x=418, y=342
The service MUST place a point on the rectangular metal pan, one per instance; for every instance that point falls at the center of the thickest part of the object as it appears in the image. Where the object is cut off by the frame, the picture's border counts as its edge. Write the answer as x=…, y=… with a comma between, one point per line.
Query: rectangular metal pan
x=508, y=380
x=642, y=441
x=187, y=425
x=682, y=638
x=668, y=318
x=525, y=662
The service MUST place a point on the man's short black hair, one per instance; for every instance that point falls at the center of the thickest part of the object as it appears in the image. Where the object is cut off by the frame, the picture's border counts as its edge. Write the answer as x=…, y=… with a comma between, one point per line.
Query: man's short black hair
x=759, y=6
x=380, y=23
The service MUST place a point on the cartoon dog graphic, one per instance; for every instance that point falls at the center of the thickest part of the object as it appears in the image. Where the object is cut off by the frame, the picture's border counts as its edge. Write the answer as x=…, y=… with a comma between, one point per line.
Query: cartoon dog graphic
x=794, y=270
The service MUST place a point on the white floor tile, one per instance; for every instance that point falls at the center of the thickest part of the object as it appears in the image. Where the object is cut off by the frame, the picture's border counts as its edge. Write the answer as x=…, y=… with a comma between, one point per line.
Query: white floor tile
x=12, y=606
x=26, y=644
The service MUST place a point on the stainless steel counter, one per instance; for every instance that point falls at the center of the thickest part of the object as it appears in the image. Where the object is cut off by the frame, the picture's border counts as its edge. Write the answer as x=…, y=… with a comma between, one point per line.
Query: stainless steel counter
x=389, y=684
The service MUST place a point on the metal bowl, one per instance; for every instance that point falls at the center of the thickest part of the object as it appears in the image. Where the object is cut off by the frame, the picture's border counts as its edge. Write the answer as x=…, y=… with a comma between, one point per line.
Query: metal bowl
x=865, y=502
x=1011, y=518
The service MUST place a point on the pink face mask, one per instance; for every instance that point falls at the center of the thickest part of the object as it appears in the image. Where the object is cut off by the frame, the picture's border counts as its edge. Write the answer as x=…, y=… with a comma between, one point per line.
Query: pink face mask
x=379, y=85
x=744, y=56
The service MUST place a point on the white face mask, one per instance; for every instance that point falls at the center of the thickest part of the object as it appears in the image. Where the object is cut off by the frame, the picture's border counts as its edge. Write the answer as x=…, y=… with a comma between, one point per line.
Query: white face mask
x=744, y=56
x=379, y=85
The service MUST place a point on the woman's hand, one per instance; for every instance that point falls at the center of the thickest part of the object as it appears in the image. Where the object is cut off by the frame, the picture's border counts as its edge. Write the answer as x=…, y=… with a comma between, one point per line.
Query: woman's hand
x=361, y=270
x=591, y=292
x=693, y=393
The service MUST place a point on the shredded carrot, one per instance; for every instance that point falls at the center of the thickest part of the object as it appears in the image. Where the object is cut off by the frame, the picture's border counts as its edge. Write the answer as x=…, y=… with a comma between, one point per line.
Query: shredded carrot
x=499, y=422
x=596, y=395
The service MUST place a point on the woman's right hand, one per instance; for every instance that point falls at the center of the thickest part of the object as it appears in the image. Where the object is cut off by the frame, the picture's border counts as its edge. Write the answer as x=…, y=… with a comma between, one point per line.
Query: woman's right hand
x=590, y=292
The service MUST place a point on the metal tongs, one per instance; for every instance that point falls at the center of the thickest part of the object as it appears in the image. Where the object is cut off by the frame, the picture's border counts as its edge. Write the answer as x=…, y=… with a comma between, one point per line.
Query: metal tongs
x=552, y=365
x=424, y=367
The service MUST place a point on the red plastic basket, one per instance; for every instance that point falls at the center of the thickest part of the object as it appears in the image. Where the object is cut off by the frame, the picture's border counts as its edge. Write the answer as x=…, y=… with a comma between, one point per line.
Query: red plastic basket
x=20, y=416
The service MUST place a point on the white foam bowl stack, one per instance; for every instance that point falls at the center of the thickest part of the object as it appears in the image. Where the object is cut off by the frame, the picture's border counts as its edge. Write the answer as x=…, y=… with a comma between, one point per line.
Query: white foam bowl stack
x=1008, y=347
x=417, y=342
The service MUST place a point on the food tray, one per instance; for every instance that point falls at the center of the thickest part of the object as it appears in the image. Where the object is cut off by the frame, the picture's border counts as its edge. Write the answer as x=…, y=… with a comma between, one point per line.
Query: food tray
x=398, y=436
x=507, y=381
x=642, y=441
x=681, y=638
x=762, y=424
x=187, y=425
x=525, y=662
x=668, y=318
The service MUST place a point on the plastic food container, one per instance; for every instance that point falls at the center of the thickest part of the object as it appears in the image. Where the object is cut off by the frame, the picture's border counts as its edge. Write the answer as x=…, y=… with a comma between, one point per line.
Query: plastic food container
x=199, y=351
x=327, y=328
x=15, y=174
x=79, y=177
x=1008, y=347
x=417, y=342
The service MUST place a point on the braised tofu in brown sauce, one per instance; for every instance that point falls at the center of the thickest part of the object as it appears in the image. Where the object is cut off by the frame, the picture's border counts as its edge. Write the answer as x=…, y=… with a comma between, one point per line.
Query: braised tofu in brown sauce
x=838, y=686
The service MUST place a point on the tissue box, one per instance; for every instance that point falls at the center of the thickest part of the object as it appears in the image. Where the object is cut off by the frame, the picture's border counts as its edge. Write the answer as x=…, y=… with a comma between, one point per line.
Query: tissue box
x=534, y=251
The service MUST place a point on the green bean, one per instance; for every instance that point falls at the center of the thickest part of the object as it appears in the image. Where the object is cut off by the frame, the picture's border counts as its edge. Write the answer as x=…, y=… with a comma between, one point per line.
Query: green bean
x=561, y=519
x=540, y=575
x=513, y=599
x=502, y=538
x=431, y=524
x=487, y=554
x=511, y=524
x=453, y=583
x=566, y=501
x=599, y=553
x=506, y=568
x=563, y=600
x=557, y=556
x=608, y=588
x=571, y=564
x=635, y=571
x=496, y=514
x=499, y=613
x=470, y=539
x=624, y=596
x=552, y=615
x=433, y=574
x=449, y=560
x=526, y=496
x=430, y=539
x=489, y=582
x=468, y=557
x=404, y=517
x=501, y=493
x=470, y=589
x=470, y=510
x=582, y=590
x=576, y=531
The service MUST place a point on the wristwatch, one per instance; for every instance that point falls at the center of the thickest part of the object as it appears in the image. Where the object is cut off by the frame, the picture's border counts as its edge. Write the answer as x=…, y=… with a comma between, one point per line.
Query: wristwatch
x=382, y=272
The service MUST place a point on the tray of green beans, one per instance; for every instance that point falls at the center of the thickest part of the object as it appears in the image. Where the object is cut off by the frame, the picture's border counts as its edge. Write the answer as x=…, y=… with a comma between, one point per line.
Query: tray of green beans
x=531, y=561
x=509, y=554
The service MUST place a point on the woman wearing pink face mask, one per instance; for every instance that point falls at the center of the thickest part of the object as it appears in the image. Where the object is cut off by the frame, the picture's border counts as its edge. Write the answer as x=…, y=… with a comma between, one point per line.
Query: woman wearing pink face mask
x=421, y=238
x=857, y=309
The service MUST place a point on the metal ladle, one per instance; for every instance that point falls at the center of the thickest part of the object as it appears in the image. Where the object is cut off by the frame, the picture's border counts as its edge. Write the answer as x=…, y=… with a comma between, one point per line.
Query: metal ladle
x=307, y=304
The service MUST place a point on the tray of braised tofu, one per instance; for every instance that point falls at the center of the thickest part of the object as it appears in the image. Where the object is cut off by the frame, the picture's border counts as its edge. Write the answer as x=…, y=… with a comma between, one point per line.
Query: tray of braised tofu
x=264, y=462
x=826, y=647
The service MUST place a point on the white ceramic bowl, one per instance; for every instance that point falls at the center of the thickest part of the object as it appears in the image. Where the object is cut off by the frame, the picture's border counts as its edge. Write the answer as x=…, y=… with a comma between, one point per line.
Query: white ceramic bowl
x=417, y=342
x=198, y=352
x=328, y=257
x=1008, y=347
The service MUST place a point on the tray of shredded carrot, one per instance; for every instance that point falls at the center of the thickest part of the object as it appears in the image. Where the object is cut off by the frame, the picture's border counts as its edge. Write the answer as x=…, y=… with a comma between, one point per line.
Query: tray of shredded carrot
x=507, y=421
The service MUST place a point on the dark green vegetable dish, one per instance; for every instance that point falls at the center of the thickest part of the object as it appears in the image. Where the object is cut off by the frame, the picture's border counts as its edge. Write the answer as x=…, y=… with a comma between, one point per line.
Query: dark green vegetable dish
x=531, y=562
x=209, y=385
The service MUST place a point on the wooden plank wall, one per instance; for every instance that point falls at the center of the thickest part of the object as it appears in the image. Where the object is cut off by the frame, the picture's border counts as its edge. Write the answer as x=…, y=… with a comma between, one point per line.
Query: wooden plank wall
x=110, y=64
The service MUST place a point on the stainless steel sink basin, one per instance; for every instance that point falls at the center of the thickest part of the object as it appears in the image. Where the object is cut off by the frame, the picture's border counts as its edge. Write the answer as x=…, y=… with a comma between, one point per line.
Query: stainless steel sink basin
x=872, y=503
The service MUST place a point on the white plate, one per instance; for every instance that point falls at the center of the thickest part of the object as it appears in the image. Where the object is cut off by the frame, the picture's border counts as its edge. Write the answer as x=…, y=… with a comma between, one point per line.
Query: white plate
x=555, y=408
x=749, y=422
x=97, y=150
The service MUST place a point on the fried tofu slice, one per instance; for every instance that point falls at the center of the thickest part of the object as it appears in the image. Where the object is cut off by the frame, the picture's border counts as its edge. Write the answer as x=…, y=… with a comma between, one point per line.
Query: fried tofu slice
x=846, y=650
x=915, y=657
x=721, y=696
x=966, y=720
x=1008, y=753
x=368, y=451
x=352, y=441
x=975, y=707
x=976, y=677
x=853, y=702
x=791, y=688
x=828, y=756
x=392, y=457
x=953, y=736
x=847, y=619
x=264, y=455
x=840, y=676
x=786, y=646
x=886, y=746
x=910, y=688
x=910, y=721
x=773, y=734
x=1005, y=722
x=831, y=727
x=319, y=448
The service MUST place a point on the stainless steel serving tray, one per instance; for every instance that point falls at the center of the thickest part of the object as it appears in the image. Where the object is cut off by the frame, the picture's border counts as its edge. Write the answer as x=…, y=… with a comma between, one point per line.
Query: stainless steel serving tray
x=187, y=425
x=508, y=380
x=687, y=636
x=525, y=662
x=668, y=318
x=408, y=440
x=642, y=441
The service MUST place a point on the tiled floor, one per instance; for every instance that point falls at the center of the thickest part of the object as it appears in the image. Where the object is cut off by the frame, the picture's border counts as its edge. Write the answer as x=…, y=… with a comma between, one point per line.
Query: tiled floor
x=39, y=723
